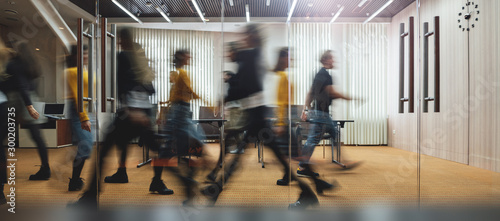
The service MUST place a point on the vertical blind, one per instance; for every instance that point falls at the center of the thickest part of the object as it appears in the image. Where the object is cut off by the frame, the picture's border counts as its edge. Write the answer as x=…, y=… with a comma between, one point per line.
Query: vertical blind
x=366, y=74
x=160, y=46
x=362, y=70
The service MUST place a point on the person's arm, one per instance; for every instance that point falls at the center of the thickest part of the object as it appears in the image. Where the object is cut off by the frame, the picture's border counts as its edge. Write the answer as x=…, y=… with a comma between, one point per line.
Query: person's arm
x=307, y=105
x=336, y=94
x=72, y=83
x=185, y=80
x=22, y=85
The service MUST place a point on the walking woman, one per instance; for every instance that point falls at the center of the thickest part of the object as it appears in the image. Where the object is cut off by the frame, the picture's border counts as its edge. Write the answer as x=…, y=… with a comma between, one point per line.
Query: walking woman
x=182, y=137
x=81, y=122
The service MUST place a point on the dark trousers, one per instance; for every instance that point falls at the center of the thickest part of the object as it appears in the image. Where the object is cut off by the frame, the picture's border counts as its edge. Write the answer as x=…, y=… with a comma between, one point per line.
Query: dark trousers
x=3, y=135
x=258, y=129
x=121, y=132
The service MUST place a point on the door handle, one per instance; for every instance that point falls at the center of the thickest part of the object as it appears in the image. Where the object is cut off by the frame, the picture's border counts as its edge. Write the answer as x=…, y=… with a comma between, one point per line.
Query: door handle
x=104, y=35
x=79, y=67
x=410, y=98
x=436, y=97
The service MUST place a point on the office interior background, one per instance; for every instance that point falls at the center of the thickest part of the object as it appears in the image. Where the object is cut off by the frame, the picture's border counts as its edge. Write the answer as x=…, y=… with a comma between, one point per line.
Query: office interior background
x=426, y=130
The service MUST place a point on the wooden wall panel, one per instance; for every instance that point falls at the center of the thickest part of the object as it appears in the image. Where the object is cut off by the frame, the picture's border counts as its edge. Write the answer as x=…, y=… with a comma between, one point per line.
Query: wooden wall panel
x=484, y=86
x=445, y=134
x=404, y=125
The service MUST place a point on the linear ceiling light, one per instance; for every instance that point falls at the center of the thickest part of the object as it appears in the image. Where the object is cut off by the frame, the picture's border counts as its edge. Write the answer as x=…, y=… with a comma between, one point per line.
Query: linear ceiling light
x=378, y=11
x=337, y=14
x=231, y=3
x=362, y=3
x=163, y=14
x=268, y=2
x=290, y=13
x=199, y=11
x=247, y=12
x=126, y=11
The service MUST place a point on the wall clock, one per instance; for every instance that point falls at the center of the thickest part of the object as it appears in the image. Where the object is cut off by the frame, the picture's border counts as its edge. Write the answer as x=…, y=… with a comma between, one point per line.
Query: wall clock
x=468, y=16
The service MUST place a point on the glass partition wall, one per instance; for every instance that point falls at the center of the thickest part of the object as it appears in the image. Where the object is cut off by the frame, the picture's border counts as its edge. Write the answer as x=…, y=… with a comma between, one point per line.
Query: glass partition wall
x=387, y=104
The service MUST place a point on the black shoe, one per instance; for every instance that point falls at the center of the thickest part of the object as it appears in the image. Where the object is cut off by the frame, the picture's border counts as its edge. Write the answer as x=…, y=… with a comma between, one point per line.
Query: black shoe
x=42, y=174
x=304, y=202
x=282, y=182
x=322, y=185
x=212, y=192
x=306, y=173
x=3, y=200
x=119, y=177
x=157, y=185
x=86, y=201
x=75, y=184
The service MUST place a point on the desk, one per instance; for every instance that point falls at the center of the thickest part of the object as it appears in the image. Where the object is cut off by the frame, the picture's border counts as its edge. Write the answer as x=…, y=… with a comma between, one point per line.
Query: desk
x=220, y=122
x=55, y=133
x=340, y=125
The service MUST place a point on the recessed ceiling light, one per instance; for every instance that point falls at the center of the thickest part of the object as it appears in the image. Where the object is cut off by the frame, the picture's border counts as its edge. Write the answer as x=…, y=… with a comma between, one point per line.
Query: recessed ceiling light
x=38, y=49
x=61, y=28
x=149, y=4
x=11, y=11
x=310, y=4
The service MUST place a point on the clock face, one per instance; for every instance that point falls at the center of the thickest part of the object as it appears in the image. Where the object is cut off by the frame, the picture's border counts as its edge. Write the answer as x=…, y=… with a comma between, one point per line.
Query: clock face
x=468, y=16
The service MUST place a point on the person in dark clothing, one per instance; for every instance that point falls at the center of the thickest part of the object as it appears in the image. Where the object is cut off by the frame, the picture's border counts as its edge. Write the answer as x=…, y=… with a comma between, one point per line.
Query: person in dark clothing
x=133, y=116
x=125, y=72
x=23, y=69
x=233, y=126
x=320, y=96
x=5, y=54
x=250, y=94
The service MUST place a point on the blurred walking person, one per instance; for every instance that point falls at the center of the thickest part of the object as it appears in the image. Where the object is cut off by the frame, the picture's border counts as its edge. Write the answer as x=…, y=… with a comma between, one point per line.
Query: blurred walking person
x=133, y=118
x=22, y=70
x=183, y=139
x=251, y=96
x=82, y=123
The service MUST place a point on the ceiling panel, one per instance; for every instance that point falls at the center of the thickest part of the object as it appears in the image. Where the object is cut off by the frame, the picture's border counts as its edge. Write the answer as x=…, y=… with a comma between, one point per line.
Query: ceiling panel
x=258, y=8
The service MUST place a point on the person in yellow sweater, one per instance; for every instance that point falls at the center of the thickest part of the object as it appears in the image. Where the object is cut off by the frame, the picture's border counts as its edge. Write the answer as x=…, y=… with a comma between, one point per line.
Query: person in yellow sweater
x=182, y=137
x=81, y=122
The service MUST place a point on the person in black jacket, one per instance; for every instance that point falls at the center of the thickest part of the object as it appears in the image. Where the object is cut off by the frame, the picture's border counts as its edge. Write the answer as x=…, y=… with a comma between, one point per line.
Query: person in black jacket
x=134, y=86
x=19, y=87
x=5, y=54
x=250, y=93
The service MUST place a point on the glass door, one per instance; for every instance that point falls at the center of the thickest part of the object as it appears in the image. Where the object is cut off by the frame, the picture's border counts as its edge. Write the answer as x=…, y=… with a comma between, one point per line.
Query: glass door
x=457, y=140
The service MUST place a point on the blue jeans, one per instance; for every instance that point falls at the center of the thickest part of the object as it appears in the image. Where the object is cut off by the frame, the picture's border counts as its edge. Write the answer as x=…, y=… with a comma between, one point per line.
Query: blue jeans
x=321, y=123
x=83, y=138
x=182, y=137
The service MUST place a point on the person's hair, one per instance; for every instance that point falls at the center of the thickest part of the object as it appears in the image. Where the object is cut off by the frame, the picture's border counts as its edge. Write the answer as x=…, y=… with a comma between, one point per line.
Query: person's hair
x=180, y=57
x=27, y=56
x=253, y=31
x=71, y=58
x=127, y=38
x=5, y=54
x=280, y=64
x=326, y=55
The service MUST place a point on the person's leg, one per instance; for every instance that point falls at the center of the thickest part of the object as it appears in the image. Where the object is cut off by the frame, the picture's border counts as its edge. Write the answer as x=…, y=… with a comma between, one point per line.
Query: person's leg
x=3, y=157
x=44, y=172
x=121, y=174
x=85, y=142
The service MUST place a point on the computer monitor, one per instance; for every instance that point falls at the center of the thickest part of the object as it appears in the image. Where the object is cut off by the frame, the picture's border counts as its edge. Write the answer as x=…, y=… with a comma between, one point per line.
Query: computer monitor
x=54, y=109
